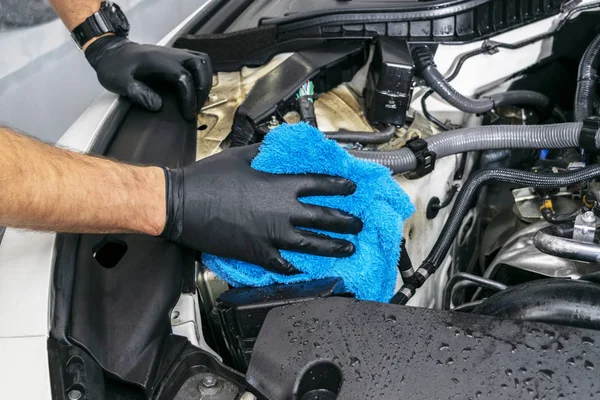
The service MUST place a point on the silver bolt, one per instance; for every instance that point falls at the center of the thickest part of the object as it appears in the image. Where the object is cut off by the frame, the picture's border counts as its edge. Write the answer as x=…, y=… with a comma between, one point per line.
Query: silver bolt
x=589, y=217
x=75, y=395
x=213, y=97
x=209, y=381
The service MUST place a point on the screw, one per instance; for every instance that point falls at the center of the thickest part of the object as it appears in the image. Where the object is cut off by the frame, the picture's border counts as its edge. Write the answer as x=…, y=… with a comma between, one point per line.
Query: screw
x=213, y=97
x=175, y=315
x=209, y=381
x=75, y=395
x=589, y=217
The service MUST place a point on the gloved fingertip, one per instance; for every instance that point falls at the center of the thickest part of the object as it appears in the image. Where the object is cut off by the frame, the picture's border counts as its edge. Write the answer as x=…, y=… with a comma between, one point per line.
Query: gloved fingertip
x=154, y=102
x=145, y=97
x=347, y=249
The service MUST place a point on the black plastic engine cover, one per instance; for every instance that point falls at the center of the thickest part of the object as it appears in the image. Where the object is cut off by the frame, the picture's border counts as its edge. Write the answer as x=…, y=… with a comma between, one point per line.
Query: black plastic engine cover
x=384, y=351
x=242, y=311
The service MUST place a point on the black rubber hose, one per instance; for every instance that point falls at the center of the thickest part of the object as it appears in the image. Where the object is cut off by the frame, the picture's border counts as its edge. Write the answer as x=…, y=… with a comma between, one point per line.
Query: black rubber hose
x=554, y=301
x=380, y=137
x=586, y=81
x=463, y=276
x=427, y=69
x=556, y=240
x=463, y=202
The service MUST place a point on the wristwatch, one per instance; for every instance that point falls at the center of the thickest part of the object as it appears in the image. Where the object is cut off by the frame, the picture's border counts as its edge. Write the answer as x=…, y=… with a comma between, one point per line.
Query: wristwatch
x=109, y=19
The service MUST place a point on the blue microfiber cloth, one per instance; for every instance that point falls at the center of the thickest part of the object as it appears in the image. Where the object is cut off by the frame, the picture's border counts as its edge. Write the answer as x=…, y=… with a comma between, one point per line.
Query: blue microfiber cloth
x=378, y=201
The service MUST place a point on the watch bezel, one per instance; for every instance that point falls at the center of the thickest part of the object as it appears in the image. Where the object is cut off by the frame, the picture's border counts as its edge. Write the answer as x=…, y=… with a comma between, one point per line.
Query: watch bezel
x=109, y=19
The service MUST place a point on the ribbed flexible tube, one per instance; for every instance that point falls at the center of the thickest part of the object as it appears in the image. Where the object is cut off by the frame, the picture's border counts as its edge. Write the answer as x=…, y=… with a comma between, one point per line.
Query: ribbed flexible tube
x=555, y=136
x=586, y=81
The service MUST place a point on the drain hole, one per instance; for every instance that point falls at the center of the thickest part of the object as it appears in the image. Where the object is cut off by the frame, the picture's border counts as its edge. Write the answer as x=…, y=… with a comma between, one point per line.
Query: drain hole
x=109, y=251
x=320, y=381
x=202, y=127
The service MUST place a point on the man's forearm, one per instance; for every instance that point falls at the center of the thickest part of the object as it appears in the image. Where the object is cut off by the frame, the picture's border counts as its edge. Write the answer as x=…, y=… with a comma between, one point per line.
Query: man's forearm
x=46, y=188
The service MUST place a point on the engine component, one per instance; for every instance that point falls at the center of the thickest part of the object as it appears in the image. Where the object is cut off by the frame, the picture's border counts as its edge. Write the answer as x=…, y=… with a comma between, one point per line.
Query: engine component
x=327, y=65
x=585, y=227
x=586, y=81
x=389, y=84
x=519, y=252
x=435, y=80
x=555, y=240
x=553, y=301
x=241, y=312
x=462, y=206
x=344, y=136
x=481, y=138
x=382, y=351
x=471, y=280
x=304, y=97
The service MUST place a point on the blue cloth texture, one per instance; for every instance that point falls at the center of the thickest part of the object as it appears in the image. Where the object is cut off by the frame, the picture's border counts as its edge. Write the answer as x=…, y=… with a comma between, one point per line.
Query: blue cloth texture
x=378, y=201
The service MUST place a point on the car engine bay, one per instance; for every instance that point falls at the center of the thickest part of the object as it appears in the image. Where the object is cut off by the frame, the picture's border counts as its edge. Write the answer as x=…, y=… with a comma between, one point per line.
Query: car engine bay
x=496, y=143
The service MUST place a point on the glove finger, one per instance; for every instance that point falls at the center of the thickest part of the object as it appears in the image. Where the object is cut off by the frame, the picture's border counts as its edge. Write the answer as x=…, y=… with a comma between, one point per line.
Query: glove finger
x=142, y=95
x=184, y=83
x=201, y=70
x=327, y=219
x=308, y=242
x=324, y=185
x=275, y=263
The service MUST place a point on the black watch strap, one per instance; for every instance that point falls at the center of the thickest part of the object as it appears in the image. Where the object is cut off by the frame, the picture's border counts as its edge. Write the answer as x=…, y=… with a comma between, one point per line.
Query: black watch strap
x=109, y=19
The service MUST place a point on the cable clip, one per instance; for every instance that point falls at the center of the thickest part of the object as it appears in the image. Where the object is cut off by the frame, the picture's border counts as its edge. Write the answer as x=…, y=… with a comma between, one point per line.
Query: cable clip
x=425, y=157
x=589, y=130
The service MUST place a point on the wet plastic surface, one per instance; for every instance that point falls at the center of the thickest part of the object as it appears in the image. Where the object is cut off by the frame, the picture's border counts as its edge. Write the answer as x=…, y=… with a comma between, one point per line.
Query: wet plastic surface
x=385, y=351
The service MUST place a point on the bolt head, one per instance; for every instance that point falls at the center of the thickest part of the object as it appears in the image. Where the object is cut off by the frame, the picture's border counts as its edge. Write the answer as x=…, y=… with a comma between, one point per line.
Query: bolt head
x=75, y=395
x=589, y=217
x=213, y=97
x=209, y=381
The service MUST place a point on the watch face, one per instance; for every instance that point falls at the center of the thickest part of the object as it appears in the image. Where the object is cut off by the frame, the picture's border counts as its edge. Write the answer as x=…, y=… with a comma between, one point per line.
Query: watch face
x=118, y=19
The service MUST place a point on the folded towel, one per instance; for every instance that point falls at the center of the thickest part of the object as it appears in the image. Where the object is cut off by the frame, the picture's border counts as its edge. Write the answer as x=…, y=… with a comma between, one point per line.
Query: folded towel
x=378, y=201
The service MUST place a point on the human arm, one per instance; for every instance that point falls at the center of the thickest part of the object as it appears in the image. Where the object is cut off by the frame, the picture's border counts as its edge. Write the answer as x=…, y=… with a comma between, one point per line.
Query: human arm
x=51, y=189
x=132, y=70
x=219, y=205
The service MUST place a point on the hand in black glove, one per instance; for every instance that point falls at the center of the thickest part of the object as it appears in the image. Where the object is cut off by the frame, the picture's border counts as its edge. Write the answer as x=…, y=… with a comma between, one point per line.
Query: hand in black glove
x=221, y=206
x=127, y=68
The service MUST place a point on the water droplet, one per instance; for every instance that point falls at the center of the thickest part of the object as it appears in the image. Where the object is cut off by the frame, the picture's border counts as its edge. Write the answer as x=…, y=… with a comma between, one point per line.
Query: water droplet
x=587, y=340
x=450, y=361
x=504, y=386
x=523, y=370
x=391, y=318
x=478, y=394
x=299, y=352
x=454, y=380
x=296, y=324
x=293, y=340
x=571, y=361
x=354, y=362
x=508, y=372
x=468, y=333
x=317, y=345
x=546, y=373
x=466, y=350
x=588, y=365
x=444, y=346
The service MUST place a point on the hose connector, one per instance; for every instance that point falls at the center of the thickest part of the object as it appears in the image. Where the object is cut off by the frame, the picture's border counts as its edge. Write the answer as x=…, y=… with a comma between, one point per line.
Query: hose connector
x=589, y=135
x=423, y=58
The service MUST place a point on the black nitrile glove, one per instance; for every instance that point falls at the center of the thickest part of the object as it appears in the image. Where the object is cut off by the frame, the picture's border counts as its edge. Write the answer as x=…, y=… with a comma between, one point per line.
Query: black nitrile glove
x=127, y=68
x=221, y=206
